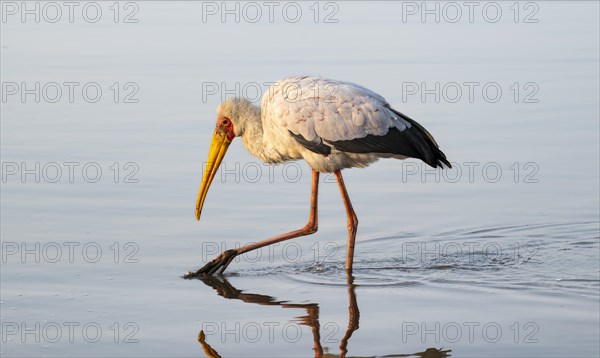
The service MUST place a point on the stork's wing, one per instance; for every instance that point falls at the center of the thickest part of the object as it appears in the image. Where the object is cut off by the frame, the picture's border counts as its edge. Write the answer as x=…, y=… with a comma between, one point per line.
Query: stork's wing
x=325, y=115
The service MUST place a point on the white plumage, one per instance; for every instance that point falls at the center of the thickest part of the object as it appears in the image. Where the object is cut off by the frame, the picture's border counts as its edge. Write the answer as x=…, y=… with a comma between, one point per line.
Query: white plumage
x=319, y=110
x=330, y=110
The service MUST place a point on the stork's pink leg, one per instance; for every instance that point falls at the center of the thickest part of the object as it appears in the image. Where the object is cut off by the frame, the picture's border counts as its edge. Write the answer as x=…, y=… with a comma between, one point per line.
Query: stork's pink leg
x=352, y=221
x=221, y=262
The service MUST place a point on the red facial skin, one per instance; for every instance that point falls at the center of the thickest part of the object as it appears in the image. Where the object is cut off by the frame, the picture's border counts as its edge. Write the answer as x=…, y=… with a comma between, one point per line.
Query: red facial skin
x=224, y=124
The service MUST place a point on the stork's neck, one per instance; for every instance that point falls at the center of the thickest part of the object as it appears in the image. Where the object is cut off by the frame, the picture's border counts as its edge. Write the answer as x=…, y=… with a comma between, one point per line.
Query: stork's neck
x=252, y=129
x=247, y=122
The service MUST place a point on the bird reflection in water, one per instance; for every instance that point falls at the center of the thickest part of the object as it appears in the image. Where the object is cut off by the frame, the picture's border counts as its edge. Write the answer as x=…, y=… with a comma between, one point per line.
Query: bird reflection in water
x=311, y=319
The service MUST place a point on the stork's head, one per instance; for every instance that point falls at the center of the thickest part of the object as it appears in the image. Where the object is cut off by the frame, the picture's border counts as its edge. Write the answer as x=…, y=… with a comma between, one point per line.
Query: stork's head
x=231, y=115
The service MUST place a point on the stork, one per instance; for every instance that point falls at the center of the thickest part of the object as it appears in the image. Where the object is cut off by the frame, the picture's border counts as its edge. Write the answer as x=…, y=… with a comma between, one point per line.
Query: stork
x=332, y=125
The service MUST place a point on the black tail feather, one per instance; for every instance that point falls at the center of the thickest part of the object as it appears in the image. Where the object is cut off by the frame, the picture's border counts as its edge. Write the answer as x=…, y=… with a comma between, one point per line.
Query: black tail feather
x=423, y=143
x=414, y=142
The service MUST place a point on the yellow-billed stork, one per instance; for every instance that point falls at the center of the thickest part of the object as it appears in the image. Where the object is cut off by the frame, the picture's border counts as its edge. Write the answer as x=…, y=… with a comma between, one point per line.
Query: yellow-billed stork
x=332, y=125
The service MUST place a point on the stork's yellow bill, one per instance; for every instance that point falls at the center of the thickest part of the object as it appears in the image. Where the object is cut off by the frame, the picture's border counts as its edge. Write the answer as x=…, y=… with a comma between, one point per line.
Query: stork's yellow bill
x=218, y=147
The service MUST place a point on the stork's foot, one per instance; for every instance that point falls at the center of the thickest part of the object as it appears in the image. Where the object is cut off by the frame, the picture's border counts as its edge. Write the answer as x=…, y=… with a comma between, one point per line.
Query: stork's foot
x=217, y=265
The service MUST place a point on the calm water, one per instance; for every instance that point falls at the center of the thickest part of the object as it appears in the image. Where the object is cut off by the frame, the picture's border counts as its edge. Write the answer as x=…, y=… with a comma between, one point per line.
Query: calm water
x=498, y=257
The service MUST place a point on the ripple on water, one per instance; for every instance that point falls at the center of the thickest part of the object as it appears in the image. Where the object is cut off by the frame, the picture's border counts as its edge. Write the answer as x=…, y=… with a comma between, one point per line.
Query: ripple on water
x=551, y=257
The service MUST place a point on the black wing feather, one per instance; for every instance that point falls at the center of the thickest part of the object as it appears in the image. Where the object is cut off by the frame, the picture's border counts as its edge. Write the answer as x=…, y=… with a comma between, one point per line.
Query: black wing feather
x=319, y=148
x=431, y=147
x=414, y=142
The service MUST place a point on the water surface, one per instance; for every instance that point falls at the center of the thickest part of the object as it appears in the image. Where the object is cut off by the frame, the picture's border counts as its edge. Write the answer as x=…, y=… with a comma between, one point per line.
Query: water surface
x=498, y=257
